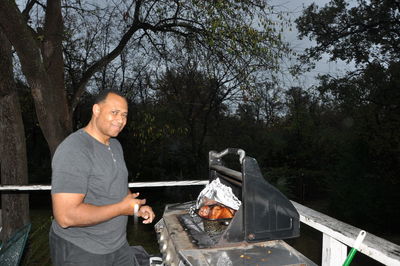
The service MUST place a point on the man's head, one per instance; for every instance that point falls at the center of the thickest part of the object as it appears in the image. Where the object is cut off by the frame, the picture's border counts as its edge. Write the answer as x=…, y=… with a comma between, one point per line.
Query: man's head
x=109, y=116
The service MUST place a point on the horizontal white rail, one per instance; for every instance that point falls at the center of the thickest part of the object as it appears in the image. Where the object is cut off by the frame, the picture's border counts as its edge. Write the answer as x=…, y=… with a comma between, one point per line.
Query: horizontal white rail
x=344, y=235
x=337, y=236
x=133, y=184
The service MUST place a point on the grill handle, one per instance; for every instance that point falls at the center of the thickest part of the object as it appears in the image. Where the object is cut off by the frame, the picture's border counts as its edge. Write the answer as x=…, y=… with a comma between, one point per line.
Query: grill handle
x=228, y=174
x=218, y=155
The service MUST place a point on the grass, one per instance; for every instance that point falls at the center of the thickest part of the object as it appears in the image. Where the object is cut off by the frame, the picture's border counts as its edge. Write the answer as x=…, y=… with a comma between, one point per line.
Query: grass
x=37, y=248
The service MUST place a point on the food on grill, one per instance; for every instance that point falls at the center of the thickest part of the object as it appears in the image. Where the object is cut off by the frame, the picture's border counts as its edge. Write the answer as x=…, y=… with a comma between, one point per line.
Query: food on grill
x=216, y=212
x=207, y=201
x=219, y=212
x=204, y=211
x=218, y=193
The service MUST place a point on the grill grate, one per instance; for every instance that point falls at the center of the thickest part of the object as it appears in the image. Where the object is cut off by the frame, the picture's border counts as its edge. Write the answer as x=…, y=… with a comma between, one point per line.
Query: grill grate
x=194, y=226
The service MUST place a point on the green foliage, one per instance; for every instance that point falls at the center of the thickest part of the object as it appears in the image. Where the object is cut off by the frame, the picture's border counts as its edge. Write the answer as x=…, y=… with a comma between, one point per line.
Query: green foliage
x=153, y=144
x=366, y=32
x=282, y=178
x=362, y=107
x=359, y=193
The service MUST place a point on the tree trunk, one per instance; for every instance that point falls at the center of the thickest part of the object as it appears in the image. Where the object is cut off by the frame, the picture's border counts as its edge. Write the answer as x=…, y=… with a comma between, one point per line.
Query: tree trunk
x=43, y=67
x=42, y=63
x=13, y=161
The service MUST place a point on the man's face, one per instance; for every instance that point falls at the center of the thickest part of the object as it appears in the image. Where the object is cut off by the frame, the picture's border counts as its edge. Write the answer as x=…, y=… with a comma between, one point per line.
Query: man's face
x=111, y=115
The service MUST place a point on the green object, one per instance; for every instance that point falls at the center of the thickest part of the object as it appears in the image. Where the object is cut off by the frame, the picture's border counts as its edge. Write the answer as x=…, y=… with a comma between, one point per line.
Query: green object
x=11, y=251
x=350, y=257
x=356, y=246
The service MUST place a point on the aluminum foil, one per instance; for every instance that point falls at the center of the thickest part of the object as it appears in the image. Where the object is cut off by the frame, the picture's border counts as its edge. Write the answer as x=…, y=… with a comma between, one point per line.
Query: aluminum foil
x=216, y=191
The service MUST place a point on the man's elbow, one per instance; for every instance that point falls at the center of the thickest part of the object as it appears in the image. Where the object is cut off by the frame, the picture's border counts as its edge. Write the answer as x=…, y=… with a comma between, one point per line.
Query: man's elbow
x=63, y=224
x=63, y=221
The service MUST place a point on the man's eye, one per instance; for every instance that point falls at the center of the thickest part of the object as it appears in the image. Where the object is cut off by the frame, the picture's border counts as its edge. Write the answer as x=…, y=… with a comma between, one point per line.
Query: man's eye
x=114, y=112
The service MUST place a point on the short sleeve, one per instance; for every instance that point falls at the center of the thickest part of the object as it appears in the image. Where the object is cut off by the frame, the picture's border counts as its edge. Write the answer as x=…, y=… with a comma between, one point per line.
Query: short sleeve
x=71, y=167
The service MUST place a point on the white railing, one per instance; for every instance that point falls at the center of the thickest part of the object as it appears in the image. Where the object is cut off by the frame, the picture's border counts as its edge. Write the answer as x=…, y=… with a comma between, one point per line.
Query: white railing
x=133, y=184
x=337, y=236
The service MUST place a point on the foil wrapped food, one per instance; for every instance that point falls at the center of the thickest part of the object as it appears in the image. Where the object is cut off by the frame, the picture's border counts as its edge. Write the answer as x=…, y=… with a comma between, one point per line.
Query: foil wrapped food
x=217, y=193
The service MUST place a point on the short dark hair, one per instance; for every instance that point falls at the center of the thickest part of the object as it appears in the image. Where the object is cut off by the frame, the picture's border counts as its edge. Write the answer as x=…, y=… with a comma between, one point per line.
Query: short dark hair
x=102, y=95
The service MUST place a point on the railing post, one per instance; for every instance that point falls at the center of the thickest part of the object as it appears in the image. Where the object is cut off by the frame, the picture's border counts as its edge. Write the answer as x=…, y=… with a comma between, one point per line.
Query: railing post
x=333, y=252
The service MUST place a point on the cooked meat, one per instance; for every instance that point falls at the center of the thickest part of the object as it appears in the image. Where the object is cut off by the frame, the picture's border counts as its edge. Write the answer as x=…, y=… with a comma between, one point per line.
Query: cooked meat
x=216, y=212
x=204, y=211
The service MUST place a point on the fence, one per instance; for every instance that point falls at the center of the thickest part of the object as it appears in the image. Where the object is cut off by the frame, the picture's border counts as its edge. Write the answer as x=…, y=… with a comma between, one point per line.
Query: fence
x=337, y=236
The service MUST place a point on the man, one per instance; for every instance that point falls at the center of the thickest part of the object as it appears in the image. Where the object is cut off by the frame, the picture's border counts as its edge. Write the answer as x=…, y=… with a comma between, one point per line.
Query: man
x=90, y=194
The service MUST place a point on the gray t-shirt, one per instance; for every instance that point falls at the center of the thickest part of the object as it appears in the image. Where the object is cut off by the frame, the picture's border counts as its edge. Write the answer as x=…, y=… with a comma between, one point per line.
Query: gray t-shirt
x=81, y=164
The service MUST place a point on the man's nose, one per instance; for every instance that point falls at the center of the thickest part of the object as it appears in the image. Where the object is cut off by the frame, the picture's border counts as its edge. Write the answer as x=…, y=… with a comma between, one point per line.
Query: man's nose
x=120, y=119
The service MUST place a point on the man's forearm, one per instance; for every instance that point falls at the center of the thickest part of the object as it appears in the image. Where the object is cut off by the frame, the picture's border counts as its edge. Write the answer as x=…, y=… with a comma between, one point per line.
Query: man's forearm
x=86, y=214
x=70, y=210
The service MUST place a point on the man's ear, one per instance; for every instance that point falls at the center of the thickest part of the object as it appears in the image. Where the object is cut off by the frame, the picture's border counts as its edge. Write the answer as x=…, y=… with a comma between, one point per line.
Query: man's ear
x=96, y=109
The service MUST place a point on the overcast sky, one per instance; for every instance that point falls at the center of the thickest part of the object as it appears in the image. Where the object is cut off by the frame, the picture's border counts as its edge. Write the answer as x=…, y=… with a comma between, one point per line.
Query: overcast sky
x=295, y=7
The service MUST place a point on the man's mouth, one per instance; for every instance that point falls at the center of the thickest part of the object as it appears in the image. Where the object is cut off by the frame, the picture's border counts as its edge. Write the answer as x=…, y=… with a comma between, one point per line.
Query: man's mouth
x=116, y=126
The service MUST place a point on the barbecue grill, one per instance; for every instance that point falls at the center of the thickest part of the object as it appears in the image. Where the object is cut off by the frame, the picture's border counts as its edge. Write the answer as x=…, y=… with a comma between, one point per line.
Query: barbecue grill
x=254, y=236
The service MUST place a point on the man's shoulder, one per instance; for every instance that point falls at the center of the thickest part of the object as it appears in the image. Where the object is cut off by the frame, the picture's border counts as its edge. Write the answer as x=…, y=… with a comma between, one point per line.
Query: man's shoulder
x=77, y=139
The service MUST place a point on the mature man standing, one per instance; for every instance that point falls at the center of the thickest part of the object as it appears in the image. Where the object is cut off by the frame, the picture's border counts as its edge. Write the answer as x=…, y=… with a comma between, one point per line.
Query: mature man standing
x=90, y=194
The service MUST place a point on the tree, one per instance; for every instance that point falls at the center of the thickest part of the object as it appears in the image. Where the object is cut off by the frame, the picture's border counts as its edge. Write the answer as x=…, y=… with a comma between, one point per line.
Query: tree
x=365, y=33
x=366, y=103
x=267, y=101
x=13, y=162
x=58, y=72
x=224, y=27
x=194, y=99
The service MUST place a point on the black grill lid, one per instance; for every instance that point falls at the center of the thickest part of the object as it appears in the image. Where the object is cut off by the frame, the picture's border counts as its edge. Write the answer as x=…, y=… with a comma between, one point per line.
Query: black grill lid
x=265, y=213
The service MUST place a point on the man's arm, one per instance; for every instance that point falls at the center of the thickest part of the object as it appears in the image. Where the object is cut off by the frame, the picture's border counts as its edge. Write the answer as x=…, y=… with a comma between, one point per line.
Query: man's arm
x=70, y=210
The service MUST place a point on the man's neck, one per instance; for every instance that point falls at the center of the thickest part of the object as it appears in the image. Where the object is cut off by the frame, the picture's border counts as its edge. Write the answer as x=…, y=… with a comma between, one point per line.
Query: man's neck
x=93, y=131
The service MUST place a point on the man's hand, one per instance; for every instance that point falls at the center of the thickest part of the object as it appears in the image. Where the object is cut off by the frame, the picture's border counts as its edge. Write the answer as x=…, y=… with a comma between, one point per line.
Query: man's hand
x=146, y=212
x=132, y=204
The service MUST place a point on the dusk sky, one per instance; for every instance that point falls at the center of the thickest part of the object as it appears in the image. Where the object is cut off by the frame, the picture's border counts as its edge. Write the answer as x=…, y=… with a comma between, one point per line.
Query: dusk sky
x=295, y=7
